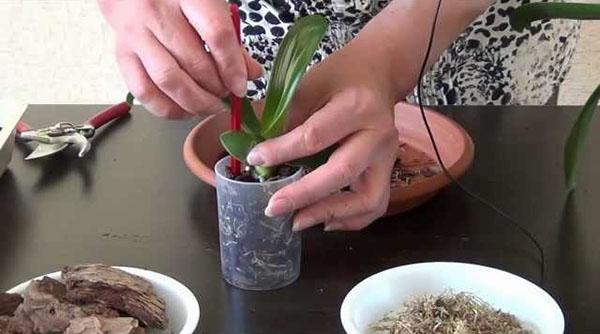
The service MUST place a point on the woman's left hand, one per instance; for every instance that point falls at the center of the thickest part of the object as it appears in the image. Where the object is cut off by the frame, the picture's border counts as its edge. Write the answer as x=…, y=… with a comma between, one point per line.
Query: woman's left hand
x=347, y=99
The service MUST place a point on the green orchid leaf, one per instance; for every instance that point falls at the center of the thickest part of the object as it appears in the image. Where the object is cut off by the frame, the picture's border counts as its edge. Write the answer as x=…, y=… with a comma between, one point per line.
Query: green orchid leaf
x=250, y=122
x=238, y=144
x=528, y=13
x=264, y=173
x=129, y=99
x=577, y=139
x=315, y=160
x=295, y=53
x=226, y=102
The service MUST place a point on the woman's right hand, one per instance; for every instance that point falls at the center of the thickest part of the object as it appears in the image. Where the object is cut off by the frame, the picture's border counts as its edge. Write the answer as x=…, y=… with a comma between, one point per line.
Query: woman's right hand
x=161, y=53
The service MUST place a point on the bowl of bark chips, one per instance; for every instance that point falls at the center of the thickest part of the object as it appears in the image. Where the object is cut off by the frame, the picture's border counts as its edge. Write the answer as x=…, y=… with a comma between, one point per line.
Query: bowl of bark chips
x=449, y=298
x=99, y=299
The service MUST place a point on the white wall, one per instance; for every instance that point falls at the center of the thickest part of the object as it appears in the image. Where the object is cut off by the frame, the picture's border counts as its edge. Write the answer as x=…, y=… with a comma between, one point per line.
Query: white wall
x=584, y=76
x=57, y=51
x=61, y=51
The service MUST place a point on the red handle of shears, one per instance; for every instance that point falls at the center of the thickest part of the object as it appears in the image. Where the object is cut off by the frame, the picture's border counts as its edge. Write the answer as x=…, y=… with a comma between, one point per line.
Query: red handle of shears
x=22, y=127
x=109, y=114
x=98, y=120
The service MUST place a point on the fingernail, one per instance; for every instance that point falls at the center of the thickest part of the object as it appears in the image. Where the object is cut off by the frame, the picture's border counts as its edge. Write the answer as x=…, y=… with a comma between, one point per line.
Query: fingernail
x=332, y=227
x=302, y=224
x=254, y=158
x=218, y=109
x=278, y=207
x=240, y=86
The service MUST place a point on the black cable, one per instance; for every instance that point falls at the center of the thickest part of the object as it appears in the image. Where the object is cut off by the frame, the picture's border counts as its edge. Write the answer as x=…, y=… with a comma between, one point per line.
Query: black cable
x=443, y=166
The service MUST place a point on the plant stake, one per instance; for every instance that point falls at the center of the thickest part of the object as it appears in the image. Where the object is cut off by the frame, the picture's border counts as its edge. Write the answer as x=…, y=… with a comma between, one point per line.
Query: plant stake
x=236, y=102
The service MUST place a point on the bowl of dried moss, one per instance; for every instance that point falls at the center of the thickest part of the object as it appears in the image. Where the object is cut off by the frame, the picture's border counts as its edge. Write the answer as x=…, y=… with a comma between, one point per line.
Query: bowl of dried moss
x=449, y=298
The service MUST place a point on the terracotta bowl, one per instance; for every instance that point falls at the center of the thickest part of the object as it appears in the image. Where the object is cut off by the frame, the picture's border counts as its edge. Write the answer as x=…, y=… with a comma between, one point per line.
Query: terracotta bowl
x=202, y=150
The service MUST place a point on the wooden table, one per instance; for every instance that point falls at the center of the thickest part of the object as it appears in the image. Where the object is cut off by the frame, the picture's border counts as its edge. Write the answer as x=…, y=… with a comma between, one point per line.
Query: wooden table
x=132, y=201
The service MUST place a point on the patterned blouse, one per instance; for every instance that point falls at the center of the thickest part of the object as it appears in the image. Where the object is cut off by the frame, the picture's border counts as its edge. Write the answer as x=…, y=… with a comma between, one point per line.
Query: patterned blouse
x=489, y=63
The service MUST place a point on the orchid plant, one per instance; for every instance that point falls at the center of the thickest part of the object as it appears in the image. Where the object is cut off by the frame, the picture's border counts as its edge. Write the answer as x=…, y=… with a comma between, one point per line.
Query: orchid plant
x=293, y=57
x=297, y=50
x=576, y=141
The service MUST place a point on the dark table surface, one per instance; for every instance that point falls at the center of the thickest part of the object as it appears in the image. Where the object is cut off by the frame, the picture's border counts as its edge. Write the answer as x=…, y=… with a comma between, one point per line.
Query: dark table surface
x=132, y=201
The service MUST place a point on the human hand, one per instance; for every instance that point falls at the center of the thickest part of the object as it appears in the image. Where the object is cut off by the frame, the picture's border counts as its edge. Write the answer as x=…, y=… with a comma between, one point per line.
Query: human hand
x=352, y=100
x=161, y=53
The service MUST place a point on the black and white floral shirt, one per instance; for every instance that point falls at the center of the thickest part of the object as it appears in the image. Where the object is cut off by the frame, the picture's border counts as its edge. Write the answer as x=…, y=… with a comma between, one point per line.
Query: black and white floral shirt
x=488, y=64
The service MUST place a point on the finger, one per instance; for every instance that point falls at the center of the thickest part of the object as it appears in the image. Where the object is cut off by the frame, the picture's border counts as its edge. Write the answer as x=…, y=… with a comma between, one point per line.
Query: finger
x=354, y=223
x=164, y=70
x=144, y=90
x=212, y=20
x=254, y=69
x=350, y=224
x=326, y=127
x=342, y=169
x=186, y=46
x=370, y=195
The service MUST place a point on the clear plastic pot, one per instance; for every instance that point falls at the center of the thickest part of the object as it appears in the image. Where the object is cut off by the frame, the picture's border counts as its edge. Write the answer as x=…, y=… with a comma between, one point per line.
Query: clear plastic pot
x=257, y=252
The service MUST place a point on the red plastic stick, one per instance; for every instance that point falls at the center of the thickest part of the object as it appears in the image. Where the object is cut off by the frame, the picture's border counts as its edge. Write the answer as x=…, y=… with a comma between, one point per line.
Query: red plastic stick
x=236, y=102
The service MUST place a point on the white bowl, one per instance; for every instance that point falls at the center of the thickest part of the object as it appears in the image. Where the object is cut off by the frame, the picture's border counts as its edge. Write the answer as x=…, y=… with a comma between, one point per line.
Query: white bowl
x=182, y=307
x=386, y=291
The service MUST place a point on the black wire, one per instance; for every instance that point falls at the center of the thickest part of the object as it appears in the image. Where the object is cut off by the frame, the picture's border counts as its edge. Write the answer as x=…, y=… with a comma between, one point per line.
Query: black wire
x=443, y=166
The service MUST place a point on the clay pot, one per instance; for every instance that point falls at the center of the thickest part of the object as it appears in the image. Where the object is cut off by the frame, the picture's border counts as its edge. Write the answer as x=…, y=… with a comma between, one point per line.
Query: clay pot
x=202, y=150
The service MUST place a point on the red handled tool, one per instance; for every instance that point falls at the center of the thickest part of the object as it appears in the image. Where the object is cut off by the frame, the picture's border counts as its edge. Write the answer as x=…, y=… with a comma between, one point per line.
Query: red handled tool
x=57, y=137
x=236, y=102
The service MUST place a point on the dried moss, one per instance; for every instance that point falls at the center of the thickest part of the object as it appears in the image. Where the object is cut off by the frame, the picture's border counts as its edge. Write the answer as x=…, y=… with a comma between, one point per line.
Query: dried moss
x=448, y=313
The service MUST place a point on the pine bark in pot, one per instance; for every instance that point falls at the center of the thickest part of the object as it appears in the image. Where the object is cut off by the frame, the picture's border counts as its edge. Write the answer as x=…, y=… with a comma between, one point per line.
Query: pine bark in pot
x=257, y=252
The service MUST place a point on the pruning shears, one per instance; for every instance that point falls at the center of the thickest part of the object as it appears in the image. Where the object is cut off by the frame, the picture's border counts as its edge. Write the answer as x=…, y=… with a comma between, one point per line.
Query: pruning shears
x=55, y=138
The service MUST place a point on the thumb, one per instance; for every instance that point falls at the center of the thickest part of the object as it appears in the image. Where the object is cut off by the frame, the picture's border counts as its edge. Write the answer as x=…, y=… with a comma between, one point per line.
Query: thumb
x=255, y=71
